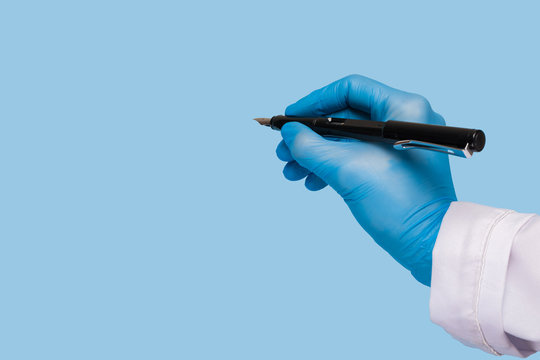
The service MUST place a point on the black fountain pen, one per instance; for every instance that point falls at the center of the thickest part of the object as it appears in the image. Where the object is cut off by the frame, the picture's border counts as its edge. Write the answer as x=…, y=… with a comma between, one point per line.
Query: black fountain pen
x=403, y=135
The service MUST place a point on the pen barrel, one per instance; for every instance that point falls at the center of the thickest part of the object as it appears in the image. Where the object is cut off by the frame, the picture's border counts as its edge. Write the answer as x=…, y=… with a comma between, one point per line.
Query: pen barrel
x=389, y=131
x=437, y=134
x=357, y=129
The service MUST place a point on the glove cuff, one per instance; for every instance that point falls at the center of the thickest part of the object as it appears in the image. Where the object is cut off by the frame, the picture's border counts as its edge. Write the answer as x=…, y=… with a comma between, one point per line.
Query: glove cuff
x=421, y=268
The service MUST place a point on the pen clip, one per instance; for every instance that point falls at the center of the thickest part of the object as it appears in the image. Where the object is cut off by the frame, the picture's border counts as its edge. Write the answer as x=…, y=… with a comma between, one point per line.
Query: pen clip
x=415, y=144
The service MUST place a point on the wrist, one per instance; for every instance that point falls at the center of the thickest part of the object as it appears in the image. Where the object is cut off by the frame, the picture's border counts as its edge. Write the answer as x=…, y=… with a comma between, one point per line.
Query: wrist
x=421, y=264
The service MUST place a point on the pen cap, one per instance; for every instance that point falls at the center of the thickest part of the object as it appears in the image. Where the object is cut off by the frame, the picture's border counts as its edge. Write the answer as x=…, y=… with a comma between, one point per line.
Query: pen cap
x=455, y=137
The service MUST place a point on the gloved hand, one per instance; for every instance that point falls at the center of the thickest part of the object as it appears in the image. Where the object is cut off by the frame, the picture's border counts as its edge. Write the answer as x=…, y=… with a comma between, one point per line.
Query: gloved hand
x=398, y=197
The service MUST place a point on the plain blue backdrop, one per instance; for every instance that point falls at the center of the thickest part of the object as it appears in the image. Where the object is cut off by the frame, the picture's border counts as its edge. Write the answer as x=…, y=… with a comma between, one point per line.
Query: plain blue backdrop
x=144, y=214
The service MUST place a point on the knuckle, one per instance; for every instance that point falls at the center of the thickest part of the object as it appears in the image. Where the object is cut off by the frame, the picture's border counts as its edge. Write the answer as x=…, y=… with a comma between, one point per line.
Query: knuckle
x=352, y=78
x=419, y=101
x=299, y=146
x=416, y=107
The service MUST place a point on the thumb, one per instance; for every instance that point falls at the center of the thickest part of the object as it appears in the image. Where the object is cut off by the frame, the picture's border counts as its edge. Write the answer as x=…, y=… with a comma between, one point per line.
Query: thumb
x=312, y=151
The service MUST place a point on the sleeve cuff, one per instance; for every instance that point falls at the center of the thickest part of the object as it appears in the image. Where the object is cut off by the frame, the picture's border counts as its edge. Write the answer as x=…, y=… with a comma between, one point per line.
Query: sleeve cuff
x=470, y=260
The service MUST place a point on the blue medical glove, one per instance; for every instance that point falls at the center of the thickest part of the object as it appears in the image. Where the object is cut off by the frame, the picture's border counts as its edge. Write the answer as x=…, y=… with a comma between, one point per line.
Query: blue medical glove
x=398, y=197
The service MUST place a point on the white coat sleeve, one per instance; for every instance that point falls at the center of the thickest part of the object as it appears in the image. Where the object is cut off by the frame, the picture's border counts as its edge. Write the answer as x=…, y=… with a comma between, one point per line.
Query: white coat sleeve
x=485, y=285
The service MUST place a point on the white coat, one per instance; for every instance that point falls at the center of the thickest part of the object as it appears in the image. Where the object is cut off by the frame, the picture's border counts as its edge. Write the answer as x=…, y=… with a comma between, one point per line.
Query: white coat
x=485, y=287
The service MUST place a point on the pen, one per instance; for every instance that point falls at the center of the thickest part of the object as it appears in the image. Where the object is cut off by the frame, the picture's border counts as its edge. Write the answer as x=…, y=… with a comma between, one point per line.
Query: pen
x=403, y=135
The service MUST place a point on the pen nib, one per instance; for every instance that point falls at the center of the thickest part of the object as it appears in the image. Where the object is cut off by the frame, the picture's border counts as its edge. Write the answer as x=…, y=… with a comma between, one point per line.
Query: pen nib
x=263, y=121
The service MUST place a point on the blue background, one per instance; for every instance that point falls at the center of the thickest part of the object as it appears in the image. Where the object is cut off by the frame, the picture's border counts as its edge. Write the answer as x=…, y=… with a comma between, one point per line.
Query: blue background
x=144, y=214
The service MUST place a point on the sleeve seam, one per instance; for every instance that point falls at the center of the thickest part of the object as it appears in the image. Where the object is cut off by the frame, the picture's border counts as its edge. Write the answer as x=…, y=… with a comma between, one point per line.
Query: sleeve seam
x=480, y=279
x=521, y=226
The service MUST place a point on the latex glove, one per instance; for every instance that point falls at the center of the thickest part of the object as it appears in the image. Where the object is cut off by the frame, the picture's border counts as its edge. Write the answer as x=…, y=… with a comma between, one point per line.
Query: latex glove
x=398, y=197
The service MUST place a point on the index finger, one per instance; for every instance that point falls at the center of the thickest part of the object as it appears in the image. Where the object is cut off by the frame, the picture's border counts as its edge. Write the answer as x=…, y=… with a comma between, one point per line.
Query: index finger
x=354, y=91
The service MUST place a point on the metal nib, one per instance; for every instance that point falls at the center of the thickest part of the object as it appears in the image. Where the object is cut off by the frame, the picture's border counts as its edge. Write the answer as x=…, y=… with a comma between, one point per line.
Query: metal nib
x=263, y=121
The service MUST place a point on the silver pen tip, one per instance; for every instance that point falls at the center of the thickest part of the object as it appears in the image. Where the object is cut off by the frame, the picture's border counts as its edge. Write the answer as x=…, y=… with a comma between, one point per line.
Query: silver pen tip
x=263, y=121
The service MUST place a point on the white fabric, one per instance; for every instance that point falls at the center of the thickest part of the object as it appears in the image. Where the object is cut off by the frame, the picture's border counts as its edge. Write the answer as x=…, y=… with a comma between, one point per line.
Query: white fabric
x=485, y=285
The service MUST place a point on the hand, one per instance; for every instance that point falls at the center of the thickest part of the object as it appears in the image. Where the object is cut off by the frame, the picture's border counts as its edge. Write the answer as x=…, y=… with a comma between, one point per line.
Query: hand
x=398, y=197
